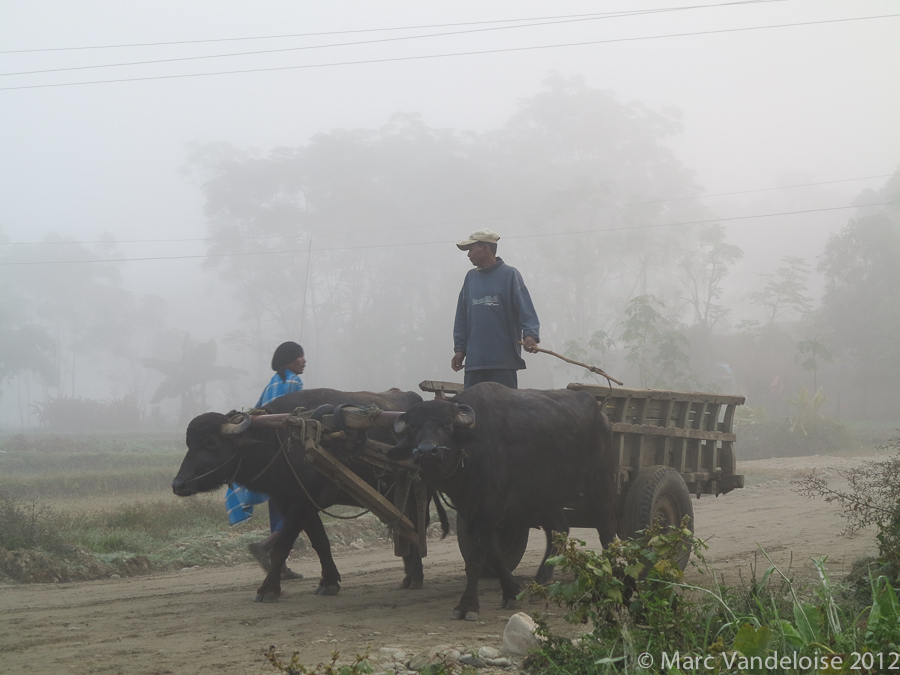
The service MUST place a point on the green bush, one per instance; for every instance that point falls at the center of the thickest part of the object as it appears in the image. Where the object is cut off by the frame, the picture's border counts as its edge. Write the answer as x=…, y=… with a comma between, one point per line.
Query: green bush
x=631, y=587
x=31, y=526
x=872, y=498
x=637, y=604
x=360, y=665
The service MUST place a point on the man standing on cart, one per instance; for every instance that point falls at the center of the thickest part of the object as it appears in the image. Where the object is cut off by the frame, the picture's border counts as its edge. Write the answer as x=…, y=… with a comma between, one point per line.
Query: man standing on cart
x=494, y=314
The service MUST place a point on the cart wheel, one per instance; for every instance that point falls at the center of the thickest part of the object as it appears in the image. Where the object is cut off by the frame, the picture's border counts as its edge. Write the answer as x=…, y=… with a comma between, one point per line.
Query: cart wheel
x=512, y=546
x=658, y=495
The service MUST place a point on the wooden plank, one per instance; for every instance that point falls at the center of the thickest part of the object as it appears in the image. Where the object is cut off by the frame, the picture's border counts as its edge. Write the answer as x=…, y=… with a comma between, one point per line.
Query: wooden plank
x=640, y=411
x=361, y=418
x=440, y=387
x=599, y=391
x=402, y=545
x=712, y=424
x=368, y=496
x=700, y=415
x=653, y=430
x=420, y=494
x=353, y=418
x=728, y=421
x=665, y=413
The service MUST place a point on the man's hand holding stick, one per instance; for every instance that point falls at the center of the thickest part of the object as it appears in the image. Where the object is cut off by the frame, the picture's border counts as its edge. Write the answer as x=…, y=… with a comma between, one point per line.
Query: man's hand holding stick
x=593, y=369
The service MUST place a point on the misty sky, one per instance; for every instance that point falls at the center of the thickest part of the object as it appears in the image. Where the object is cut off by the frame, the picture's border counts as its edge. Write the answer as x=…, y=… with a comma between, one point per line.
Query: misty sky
x=816, y=100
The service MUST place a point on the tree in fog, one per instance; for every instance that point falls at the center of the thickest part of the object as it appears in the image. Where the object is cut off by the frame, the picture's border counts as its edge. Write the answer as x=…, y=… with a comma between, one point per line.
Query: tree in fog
x=187, y=376
x=784, y=292
x=861, y=306
x=335, y=222
x=79, y=303
x=655, y=345
x=347, y=240
x=71, y=330
x=704, y=264
x=783, y=303
x=596, y=180
x=25, y=345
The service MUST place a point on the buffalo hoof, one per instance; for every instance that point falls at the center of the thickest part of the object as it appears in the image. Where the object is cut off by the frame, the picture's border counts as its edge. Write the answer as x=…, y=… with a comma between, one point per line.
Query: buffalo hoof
x=266, y=597
x=325, y=589
x=471, y=615
x=510, y=603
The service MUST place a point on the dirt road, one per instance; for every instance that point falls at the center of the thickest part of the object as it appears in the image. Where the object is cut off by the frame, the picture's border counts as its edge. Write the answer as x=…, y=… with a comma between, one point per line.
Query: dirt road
x=205, y=621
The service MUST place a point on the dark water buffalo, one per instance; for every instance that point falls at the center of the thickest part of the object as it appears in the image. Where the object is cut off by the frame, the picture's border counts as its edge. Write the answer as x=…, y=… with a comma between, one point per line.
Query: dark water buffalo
x=221, y=451
x=512, y=458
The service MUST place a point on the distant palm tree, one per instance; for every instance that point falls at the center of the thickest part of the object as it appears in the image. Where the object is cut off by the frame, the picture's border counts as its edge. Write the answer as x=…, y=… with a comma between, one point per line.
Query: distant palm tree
x=187, y=378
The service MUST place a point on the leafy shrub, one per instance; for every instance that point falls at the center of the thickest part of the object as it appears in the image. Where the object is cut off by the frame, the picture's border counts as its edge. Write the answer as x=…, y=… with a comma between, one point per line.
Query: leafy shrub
x=360, y=665
x=31, y=526
x=631, y=585
x=872, y=498
x=634, y=597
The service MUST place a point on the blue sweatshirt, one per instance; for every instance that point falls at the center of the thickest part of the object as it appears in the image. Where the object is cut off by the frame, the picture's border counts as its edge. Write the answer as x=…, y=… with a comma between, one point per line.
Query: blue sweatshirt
x=493, y=313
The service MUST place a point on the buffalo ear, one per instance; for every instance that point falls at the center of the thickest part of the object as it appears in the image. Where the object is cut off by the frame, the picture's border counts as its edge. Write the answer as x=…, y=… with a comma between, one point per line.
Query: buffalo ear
x=401, y=428
x=465, y=416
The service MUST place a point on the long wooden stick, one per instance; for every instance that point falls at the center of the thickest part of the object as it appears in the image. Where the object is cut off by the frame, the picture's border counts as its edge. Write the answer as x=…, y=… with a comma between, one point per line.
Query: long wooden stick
x=593, y=369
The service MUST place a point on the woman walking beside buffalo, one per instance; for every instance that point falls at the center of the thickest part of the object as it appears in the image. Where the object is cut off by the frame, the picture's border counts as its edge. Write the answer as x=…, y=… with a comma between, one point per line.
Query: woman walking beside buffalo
x=288, y=362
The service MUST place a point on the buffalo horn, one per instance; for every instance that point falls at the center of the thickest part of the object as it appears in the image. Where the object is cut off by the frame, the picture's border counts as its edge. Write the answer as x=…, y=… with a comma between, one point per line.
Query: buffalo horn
x=400, y=426
x=232, y=429
x=465, y=416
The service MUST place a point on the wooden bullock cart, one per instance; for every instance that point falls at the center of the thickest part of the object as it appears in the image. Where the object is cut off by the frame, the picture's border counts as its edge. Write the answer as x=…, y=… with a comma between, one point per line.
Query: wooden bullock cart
x=669, y=446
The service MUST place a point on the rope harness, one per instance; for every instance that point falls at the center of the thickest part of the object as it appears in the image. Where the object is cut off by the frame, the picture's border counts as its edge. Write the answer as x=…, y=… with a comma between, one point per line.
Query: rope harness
x=221, y=466
x=285, y=448
x=300, y=432
x=460, y=462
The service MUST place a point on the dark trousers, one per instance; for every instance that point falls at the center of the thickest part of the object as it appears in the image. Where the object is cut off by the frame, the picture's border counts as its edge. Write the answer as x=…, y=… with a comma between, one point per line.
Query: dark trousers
x=504, y=376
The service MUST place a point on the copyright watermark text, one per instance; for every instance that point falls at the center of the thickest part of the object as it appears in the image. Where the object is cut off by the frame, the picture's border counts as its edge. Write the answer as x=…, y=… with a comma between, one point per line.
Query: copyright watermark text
x=686, y=663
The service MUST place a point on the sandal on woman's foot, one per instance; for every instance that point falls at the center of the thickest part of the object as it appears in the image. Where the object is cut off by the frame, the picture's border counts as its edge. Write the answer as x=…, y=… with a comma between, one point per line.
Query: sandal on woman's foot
x=259, y=552
x=288, y=574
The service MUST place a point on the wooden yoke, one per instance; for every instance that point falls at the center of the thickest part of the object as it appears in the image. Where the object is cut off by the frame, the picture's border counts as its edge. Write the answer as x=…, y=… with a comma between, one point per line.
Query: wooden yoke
x=308, y=434
x=353, y=418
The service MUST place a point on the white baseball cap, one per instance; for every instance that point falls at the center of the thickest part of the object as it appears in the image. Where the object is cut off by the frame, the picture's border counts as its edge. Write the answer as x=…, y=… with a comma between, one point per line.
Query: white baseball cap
x=486, y=236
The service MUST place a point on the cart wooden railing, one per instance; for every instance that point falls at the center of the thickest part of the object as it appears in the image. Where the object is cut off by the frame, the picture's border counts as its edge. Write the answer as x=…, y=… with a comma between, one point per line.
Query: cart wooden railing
x=692, y=432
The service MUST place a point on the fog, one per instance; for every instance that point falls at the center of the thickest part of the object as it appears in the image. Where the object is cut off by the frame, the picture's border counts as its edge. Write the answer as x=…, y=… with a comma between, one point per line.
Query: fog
x=756, y=125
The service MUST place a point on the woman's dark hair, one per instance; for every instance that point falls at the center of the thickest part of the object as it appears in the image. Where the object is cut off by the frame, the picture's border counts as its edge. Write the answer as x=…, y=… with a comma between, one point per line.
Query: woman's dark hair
x=285, y=353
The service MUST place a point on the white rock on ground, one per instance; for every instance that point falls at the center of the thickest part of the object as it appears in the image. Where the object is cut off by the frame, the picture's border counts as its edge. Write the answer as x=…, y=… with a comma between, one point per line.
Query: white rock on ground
x=489, y=653
x=518, y=637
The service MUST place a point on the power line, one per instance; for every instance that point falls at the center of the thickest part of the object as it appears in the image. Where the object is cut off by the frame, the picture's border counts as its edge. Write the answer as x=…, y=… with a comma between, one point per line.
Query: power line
x=395, y=28
x=452, y=54
x=444, y=223
x=434, y=243
x=460, y=222
x=296, y=49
